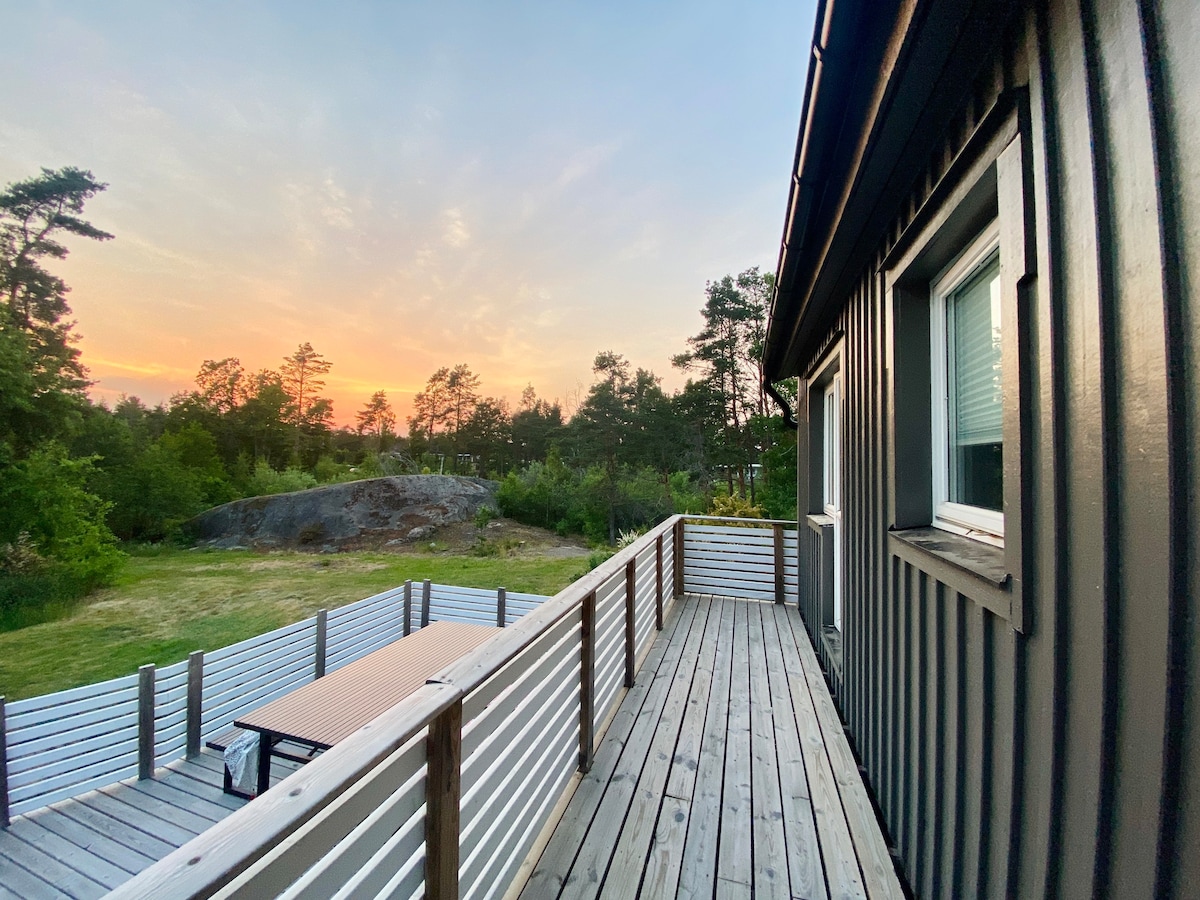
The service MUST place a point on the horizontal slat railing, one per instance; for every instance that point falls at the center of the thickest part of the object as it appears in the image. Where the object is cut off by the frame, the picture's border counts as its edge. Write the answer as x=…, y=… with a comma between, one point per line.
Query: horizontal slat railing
x=59, y=745
x=504, y=732
x=484, y=751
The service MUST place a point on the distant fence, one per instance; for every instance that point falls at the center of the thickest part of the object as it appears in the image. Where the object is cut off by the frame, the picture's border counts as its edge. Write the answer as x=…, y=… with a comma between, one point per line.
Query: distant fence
x=62, y=744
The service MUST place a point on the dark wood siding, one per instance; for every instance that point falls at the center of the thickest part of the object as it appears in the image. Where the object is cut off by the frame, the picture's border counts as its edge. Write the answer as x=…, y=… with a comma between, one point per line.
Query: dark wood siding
x=1063, y=761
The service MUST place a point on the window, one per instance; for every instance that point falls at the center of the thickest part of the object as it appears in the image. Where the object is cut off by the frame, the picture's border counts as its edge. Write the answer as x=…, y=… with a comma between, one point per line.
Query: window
x=966, y=378
x=831, y=459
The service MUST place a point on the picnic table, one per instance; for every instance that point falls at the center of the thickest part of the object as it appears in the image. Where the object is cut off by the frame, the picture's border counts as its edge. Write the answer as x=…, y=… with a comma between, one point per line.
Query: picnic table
x=333, y=707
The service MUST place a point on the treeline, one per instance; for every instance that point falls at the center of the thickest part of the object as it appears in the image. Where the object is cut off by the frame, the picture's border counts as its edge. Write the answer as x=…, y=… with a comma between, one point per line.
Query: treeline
x=77, y=478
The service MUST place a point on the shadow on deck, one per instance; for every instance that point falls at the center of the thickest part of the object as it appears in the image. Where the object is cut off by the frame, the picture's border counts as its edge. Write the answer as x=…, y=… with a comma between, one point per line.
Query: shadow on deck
x=725, y=772
x=88, y=845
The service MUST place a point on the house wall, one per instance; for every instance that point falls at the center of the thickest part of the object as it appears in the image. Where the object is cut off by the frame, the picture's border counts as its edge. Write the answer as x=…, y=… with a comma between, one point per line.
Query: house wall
x=1049, y=748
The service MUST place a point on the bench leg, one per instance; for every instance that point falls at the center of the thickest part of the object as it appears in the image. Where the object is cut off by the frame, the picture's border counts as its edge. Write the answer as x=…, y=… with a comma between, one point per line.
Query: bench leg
x=264, y=762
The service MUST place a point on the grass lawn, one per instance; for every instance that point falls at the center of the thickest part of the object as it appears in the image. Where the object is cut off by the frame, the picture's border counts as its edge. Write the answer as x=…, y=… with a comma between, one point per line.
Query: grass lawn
x=169, y=603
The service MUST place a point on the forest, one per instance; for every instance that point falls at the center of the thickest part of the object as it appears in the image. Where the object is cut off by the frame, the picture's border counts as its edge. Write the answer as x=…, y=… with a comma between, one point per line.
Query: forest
x=78, y=479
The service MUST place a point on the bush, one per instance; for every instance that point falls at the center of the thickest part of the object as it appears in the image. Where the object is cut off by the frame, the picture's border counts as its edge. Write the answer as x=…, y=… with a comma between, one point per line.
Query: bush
x=55, y=546
x=735, y=507
x=265, y=480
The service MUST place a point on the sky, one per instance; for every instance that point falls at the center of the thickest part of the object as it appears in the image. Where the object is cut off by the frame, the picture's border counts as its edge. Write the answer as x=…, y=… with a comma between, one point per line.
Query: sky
x=514, y=186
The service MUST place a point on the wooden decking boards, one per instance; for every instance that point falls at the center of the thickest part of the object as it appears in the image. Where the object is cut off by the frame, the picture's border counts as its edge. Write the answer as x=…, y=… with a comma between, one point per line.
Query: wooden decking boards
x=724, y=774
x=86, y=846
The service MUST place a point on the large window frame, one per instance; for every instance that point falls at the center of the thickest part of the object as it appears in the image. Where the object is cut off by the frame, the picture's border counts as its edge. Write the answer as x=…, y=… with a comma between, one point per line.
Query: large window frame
x=976, y=522
x=988, y=185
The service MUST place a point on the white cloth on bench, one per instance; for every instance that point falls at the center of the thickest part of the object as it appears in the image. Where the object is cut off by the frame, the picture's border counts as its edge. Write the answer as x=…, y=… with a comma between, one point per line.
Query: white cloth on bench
x=241, y=759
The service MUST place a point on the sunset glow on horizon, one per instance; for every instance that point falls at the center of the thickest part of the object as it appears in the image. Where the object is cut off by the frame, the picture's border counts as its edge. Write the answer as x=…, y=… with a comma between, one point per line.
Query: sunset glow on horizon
x=406, y=186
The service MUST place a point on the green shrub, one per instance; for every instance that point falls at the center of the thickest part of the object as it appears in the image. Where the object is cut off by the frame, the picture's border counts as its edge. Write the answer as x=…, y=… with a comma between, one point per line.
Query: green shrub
x=265, y=480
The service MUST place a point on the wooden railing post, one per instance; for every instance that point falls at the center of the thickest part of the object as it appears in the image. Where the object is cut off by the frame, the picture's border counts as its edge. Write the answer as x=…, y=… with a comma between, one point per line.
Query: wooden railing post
x=145, y=721
x=4, y=820
x=630, y=648
x=426, y=596
x=195, y=701
x=587, y=683
x=677, y=557
x=319, y=649
x=407, y=607
x=780, y=589
x=658, y=598
x=442, y=795
x=501, y=607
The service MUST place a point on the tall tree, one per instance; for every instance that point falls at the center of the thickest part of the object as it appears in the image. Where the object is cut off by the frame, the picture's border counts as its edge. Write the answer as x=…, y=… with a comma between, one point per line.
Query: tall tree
x=430, y=405
x=377, y=419
x=220, y=383
x=300, y=376
x=726, y=354
x=603, y=423
x=36, y=340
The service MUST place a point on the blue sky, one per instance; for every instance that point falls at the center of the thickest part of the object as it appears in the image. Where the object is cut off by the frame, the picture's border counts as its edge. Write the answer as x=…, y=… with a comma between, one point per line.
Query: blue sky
x=513, y=186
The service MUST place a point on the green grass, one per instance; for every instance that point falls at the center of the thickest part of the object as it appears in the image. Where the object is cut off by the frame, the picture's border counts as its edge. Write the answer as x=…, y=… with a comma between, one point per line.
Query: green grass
x=166, y=604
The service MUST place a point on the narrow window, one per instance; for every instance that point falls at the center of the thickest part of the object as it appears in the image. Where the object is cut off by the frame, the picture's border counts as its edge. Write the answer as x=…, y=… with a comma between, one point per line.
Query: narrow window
x=968, y=401
x=832, y=472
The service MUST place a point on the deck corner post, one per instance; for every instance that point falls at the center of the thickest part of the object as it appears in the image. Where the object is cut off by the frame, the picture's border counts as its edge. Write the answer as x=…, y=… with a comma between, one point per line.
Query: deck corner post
x=320, y=643
x=501, y=607
x=145, y=708
x=780, y=586
x=587, y=683
x=195, y=701
x=658, y=591
x=630, y=598
x=4, y=819
x=407, y=607
x=677, y=557
x=426, y=597
x=443, y=789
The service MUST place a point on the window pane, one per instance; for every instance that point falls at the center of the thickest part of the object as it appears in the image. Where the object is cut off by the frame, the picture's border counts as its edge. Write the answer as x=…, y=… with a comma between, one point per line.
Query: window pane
x=975, y=393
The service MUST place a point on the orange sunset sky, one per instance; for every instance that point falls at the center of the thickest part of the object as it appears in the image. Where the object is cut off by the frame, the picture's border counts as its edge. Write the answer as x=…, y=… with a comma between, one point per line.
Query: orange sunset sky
x=406, y=186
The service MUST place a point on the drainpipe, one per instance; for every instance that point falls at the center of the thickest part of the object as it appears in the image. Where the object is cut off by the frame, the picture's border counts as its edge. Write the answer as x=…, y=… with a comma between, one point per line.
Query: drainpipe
x=789, y=418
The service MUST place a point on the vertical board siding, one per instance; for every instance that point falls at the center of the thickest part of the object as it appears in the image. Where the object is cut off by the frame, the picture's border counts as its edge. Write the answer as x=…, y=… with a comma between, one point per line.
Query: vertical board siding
x=1055, y=762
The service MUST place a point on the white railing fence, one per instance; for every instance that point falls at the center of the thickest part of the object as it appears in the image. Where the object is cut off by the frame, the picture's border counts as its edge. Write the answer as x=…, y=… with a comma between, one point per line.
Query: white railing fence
x=447, y=793
x=62, y=744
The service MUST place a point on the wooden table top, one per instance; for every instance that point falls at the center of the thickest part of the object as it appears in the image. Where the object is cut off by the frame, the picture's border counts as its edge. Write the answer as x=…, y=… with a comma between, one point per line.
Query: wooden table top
x=327, y=710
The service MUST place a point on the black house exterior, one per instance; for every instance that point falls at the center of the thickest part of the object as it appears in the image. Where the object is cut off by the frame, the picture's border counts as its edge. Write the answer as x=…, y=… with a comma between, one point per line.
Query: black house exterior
x=988, y=287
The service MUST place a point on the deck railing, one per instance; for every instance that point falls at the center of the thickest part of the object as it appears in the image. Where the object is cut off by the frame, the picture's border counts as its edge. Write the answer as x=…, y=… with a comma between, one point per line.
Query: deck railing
x=62, y=744
x=446, y=794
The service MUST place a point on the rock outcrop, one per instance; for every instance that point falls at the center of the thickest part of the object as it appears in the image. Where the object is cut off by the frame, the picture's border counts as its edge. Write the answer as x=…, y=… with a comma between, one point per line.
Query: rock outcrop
x=354, y=515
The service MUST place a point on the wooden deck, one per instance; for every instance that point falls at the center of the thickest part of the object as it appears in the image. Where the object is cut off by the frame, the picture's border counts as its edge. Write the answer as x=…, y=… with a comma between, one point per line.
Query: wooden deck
x=725, y=773
x=86, y=846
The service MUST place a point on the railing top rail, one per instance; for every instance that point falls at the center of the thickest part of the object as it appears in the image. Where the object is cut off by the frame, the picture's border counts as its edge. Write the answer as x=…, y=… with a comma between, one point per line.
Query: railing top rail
x=480, y=664
x=736, y=520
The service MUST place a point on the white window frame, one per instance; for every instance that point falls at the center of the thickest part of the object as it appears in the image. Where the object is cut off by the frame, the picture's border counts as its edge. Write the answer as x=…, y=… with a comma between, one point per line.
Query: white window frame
x=973, y=521
x=831, y=465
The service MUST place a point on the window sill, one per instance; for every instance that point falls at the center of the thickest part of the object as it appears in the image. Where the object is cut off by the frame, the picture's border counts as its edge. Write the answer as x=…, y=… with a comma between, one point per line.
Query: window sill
x=972, y=568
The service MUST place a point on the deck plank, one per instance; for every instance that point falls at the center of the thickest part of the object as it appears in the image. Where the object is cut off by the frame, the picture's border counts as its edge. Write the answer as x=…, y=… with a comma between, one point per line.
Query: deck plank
x=768, y=842
x=879, y=873
x=15, y=881
x=86, y=845
x=803, y=853
x=554, y=865
x=94, y=842
x=734, y=859
x=637, y=835
x=591, y=865
x=699, y=873
x=125, y=834
x=750, y=801
x=837, y=848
